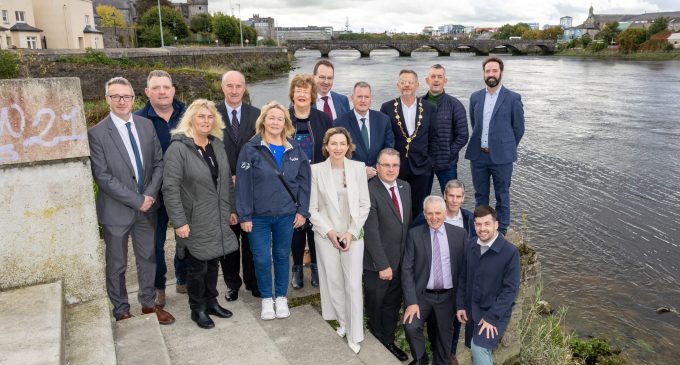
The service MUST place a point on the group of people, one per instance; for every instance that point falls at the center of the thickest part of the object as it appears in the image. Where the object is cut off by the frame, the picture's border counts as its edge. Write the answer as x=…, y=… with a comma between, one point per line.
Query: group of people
x=246, y=187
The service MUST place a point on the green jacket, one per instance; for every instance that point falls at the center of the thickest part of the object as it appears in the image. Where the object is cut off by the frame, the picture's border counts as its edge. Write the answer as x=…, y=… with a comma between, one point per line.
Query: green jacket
x=191, y=198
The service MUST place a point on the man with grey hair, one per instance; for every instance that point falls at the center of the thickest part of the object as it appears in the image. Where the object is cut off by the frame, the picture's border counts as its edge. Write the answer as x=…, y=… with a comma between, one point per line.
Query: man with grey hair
x=164, y=111
x=371, y=130
x=451, y=126
x=239, y=119
x=127, y=165
x=433, y=258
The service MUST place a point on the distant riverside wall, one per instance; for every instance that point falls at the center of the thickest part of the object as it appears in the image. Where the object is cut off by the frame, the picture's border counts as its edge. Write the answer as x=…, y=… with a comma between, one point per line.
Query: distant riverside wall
x=196, y=71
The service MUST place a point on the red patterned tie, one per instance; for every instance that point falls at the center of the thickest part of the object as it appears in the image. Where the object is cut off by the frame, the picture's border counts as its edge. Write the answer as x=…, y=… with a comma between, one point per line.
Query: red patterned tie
x=396, y=203
x=327, y=108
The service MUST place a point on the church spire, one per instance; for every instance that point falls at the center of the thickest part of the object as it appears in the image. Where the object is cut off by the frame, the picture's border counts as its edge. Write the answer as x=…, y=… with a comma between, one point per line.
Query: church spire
x=590, y=12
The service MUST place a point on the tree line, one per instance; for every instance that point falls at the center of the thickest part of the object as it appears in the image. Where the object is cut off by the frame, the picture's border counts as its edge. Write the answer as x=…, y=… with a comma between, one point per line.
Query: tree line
x=202, y=28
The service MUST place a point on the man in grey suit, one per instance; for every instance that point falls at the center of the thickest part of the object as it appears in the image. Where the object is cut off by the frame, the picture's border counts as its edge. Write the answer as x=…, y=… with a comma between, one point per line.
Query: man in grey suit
x=433, y=258
x=127, y=159
x=384, y=236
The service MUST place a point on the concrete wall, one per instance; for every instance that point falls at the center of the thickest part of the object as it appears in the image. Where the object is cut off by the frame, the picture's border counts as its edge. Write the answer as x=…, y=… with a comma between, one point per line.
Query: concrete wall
x=48, y=217
x=117, y=37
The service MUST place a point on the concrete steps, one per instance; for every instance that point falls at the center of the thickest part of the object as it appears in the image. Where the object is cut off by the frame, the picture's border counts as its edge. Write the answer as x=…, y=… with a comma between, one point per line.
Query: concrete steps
x=32, y=325
x=89, y=336
x=139, y=341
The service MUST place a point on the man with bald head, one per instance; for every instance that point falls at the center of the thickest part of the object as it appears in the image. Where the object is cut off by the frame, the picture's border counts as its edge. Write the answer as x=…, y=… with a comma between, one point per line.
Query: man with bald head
x=239, y=119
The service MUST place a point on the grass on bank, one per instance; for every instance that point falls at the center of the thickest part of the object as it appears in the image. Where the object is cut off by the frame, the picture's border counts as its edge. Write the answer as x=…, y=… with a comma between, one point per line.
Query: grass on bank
x=614, y=54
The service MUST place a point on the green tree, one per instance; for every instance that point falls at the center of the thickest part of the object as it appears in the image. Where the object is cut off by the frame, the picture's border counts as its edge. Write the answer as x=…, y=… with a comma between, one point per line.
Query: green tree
x=225, y=28
x=630, y=40
x=659, y=24
x=200, y=23
x=585, y=40
x=532, y=34
x=9, y=65
x=250, y=34
x=173, y=22
x=553, y=33
x=507, y=31
x=111, y=17
x=609, y=32
x=143, y=5
x=267, y=42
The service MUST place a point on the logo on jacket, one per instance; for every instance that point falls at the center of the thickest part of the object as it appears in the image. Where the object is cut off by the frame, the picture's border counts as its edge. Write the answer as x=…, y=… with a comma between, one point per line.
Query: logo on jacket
x=245, y=165
x=294, y=158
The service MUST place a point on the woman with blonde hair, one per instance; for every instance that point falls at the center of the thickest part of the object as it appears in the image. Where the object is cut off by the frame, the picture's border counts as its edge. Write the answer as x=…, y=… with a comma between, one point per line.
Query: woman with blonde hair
x=272, y=186
x=339, y=207
x=310, y=126
x=199, y=198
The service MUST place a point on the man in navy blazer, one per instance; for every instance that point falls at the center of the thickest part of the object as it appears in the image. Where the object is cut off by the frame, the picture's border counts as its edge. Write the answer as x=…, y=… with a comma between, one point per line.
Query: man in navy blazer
x=370, y=130
x=411, y=118
x=488, y=285
x=329, y=102
x=497, y=119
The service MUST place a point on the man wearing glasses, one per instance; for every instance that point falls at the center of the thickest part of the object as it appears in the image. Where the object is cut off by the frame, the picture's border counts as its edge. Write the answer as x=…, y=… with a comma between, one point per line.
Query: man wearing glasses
x=127, y=165
x=412, y=119
x=329, y=102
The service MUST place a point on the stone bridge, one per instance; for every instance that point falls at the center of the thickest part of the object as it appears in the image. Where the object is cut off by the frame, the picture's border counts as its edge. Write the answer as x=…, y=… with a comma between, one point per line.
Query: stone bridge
x=443, y=47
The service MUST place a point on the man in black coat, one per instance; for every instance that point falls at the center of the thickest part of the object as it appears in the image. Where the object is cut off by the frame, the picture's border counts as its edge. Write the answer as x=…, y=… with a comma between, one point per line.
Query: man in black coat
x=384, y=237
x=239, y=119
x=412, y=119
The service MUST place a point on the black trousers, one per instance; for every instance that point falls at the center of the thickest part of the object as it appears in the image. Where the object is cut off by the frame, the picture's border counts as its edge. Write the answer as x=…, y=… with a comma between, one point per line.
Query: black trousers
x=382, y=302
x=441, y=307
x=231, y=263
x=298, y=245
x=201, y=282
x=419, y=187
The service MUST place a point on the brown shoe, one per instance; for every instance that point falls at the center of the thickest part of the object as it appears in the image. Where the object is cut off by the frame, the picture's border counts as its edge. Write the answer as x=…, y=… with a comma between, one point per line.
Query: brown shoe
x=160, y=297
x=453, y=360
x=163, y=316
x=181, y=288
x=123, y=316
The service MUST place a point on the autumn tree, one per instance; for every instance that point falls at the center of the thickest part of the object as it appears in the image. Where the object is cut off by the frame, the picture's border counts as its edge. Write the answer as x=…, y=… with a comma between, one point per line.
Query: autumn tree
x=143, y=5
x=658, y=25
x=111, y=17
x=630, y=40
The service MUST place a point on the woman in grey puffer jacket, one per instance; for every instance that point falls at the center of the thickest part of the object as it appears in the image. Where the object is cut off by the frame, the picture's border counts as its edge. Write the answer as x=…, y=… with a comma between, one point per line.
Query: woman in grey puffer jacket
x=199, y=198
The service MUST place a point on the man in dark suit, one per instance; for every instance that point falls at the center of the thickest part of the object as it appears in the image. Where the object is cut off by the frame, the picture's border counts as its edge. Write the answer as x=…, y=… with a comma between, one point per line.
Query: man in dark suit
x=489, y=283
x=127, y=165
x=239, y=119
x=412, y=119
x=497, y=119
x=370, y=130
x=164, y=111
x=328, y=101
x=432, y=261
x=384, y=237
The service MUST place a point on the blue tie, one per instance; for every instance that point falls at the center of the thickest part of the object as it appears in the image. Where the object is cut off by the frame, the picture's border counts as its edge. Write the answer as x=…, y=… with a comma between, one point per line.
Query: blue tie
x=138, y=159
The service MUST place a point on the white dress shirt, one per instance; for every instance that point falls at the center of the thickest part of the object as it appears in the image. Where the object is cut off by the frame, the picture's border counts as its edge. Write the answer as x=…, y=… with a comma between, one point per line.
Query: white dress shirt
x=489, y=105
x=456, y=220
x=320, y=102
x=230, y=115
x=396, y=192
x=122, y=130
x=368, y=126
x=410, y=115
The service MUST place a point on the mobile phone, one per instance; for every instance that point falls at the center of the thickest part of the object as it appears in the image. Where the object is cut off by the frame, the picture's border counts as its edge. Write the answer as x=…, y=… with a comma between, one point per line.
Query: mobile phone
x=342, y=242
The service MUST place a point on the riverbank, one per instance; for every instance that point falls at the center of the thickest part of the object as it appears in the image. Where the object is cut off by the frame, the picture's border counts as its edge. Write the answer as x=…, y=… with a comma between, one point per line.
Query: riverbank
x=616, y=55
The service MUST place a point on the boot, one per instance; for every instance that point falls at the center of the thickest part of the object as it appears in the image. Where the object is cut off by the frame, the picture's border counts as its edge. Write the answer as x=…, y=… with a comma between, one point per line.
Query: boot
x=297, y=280
x=315, y=274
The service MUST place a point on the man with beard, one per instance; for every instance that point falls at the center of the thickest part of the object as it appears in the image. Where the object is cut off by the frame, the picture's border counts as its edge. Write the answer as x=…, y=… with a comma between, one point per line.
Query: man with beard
x=412, y=119
x=497, y=119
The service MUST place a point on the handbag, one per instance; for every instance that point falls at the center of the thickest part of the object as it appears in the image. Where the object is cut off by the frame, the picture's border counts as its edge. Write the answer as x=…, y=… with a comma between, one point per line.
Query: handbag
x=308, y=224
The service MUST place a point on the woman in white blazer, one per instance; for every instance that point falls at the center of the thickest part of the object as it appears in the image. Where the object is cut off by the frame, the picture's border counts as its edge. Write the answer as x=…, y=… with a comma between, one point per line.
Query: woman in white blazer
x=339, y=205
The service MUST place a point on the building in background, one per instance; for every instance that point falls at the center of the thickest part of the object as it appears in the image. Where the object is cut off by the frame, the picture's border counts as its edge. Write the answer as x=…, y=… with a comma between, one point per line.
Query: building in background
x=189, y=8
x=451, y=29
x=533, y=25
x=595, y=22
x=566, y=22
x=56, y=24
x=126, y=7
x=264, y=27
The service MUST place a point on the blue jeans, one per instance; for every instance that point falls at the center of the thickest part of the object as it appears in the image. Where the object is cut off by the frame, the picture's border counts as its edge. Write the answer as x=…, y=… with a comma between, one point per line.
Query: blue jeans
x=483, y=170
x=271, y=237
x=444, y=176
x=161, y=267
x=480, y=355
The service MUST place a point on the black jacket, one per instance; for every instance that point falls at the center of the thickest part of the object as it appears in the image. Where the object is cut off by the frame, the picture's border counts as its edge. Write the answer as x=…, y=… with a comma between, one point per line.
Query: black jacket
x=246, y=131
x=452, y=132
x=318, y=125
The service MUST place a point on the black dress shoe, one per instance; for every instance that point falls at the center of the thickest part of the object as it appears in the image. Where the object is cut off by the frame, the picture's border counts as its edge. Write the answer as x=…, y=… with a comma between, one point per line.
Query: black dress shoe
x=219, y=311
x=422, y=361
x=396, y=351
x=256, y=292
x=231, y=295
x=202, y=319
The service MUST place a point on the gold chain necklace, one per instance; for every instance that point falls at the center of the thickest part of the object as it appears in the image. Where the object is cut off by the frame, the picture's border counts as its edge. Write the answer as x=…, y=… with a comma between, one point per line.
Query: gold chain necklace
x=401, y=127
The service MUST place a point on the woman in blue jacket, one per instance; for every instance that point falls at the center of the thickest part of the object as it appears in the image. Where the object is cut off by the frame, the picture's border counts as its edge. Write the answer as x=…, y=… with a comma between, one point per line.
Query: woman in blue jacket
x=269, y=209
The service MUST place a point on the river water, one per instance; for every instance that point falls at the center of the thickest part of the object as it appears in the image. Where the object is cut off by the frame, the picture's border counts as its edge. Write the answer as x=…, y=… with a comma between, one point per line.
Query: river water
x=596, y=187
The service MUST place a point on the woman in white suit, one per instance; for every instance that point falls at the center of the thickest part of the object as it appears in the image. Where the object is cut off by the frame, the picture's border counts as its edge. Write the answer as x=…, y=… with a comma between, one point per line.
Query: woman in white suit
x=339, y=205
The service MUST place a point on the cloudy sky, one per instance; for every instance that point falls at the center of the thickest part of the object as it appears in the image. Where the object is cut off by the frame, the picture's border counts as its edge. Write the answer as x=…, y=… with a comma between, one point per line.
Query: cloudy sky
x=413, y=15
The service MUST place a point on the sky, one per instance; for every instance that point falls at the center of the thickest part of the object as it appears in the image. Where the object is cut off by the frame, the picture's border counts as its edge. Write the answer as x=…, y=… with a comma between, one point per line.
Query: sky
x=412, y=15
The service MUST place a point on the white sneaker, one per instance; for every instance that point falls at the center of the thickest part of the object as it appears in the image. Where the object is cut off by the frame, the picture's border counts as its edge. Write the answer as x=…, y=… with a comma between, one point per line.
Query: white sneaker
x=282, y=310
x=341, y=331
x=354, y=346
x=268, y=309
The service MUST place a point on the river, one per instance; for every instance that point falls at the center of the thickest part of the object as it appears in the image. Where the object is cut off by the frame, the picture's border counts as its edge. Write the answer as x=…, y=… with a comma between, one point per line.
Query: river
x=596, y=188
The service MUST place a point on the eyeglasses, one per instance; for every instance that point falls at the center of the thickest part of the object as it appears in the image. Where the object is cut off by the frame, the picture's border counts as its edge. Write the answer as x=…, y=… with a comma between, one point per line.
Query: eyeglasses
x=406, y=82
x=387, y=166
x=125, y=98
x=324, y=78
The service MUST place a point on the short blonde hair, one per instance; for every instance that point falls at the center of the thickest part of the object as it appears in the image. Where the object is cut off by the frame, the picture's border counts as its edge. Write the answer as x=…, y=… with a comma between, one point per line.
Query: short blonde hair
x=288, y=129
x=304, y=81
x=185, y=125
x=333, y=131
